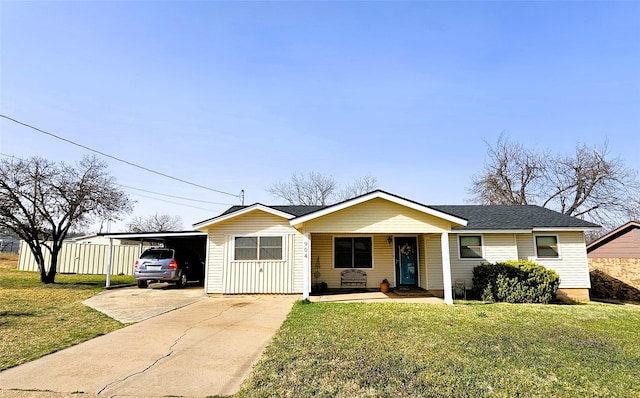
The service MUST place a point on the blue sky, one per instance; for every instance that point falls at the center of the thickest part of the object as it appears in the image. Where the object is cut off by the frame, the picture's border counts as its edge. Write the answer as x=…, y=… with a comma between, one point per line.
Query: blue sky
x=238, y=95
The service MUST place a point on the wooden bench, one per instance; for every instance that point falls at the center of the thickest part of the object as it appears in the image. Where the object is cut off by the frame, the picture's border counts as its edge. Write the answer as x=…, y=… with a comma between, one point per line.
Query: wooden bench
x=353, y=277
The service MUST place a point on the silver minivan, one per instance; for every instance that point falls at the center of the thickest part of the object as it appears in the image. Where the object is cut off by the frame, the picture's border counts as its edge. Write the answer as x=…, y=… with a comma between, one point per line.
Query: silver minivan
x=167, y=265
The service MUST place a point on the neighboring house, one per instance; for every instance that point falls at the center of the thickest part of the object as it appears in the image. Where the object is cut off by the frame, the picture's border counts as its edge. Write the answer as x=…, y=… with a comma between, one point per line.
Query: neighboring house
x=622, y=242
x=614, y=263
x=284, y=249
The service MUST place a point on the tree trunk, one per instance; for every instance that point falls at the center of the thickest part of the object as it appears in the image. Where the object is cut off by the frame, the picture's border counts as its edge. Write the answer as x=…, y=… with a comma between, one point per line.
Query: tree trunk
x=53, y=268
x=42, y=268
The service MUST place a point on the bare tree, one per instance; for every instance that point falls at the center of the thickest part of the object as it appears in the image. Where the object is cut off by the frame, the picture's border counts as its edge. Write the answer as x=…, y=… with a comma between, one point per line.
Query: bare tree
x=311, y=189
x=358, y=187
x=155, y=223
x=41, y=201
x=513, y=175
x=318, y=189
x=589, y=184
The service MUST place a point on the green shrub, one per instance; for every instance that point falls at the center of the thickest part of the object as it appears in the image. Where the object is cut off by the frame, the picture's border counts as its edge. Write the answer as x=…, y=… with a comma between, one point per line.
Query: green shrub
x=515, y=282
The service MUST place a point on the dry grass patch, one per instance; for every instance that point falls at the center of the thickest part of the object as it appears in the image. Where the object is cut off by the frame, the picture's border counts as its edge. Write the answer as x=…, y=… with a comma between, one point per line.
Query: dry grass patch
x=8, y=260
x=38, y=319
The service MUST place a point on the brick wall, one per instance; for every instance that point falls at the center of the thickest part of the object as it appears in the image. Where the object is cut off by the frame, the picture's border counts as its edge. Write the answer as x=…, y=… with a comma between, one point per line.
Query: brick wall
x=615, y=278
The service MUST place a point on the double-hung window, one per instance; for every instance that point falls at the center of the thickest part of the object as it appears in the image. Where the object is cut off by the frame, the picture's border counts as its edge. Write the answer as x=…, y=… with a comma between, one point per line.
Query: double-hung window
x=470, y=246
x=547, y=246
x=353, y=252
x=258, y=248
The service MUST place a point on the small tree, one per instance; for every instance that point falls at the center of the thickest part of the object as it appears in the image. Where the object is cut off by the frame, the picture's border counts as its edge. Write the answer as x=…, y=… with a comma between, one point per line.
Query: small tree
x=41, y=201
x=318, y=189
x=155, y=223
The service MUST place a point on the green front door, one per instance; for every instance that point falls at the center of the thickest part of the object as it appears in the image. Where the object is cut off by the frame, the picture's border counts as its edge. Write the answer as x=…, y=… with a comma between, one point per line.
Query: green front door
x=406, y=249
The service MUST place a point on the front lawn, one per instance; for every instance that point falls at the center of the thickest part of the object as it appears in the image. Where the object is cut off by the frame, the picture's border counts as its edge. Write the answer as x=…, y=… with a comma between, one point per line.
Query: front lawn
x=468, y=350
x=37, y=319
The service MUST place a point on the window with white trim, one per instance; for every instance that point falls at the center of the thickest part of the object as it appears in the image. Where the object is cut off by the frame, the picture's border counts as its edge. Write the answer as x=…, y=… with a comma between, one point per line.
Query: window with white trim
x=258, y=248
x=470, y=246
x=353, y=252
x=547, y=246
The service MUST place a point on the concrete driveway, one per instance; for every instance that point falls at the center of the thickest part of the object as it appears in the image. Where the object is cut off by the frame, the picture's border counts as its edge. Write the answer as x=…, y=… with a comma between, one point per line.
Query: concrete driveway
x=206, y=347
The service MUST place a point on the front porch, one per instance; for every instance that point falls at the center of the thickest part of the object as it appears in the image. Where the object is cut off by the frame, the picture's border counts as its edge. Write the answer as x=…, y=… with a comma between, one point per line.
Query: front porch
x=337, y=296
x=418, y=261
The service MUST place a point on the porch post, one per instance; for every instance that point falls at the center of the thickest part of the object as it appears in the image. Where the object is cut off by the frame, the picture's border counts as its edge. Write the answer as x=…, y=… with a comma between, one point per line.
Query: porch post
x=306, y=265
x=446, y=268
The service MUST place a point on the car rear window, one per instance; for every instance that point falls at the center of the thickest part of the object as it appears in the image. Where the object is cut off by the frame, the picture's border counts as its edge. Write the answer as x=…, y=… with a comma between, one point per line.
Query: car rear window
x=157, y=254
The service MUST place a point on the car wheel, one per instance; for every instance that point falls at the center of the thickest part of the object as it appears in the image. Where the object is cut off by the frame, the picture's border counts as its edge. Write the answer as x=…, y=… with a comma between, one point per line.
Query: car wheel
x=182, y=282
x=142, y=284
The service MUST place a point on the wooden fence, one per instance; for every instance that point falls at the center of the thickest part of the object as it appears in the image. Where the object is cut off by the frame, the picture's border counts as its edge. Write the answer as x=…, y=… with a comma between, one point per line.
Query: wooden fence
x=82, y=258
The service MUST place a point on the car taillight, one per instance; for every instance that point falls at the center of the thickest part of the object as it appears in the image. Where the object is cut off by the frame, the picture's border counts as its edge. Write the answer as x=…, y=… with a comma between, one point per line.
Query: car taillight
x=173, y=264
x=136, y=265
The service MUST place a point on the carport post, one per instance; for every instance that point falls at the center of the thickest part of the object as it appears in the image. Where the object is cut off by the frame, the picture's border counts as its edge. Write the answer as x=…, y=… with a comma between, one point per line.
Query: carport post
x=108, y=283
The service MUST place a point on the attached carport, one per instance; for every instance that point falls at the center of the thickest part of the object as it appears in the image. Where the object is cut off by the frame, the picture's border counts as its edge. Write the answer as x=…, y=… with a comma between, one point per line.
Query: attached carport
x=193, y=240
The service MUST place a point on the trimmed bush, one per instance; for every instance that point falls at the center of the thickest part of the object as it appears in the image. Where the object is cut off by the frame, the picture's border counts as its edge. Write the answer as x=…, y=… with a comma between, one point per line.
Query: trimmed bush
x=515, y=282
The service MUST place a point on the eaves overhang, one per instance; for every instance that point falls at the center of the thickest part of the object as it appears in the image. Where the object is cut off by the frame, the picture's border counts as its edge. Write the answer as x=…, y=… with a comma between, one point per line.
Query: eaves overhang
x=207, y=223
x=377, y=195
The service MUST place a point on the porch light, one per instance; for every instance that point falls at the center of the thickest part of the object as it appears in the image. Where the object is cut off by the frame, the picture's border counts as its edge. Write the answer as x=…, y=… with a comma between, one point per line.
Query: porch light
x=389, y=240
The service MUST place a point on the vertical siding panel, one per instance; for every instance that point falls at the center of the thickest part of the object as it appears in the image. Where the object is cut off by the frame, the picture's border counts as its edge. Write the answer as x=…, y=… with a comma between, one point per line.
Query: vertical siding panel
x=239, y=277
x=434, y=262
x=82, y=258
x=422, y=261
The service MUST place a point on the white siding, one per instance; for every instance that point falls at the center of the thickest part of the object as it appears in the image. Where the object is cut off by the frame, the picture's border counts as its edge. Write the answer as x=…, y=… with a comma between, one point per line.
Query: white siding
x=234, y=277
x=434, y=262
x=572, y=265
x=497, y=247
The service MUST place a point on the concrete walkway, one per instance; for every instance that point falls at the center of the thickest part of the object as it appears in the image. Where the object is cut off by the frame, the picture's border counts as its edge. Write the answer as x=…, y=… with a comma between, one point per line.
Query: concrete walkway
x=374, y=297
x=134, y=305
x=205, y=348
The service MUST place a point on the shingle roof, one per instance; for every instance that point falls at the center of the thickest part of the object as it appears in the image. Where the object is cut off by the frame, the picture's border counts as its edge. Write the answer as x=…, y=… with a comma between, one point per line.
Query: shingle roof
x=479, y=217
x=506, y=217
x=293, y=210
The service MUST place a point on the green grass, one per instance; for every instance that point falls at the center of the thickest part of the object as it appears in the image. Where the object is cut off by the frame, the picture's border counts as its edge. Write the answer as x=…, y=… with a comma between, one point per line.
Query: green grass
x=37, y=319
x=468, y=350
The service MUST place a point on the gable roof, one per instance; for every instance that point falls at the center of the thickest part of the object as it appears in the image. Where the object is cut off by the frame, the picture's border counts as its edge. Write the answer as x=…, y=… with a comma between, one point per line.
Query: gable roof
x=296, y=211
x=513, y=217
x=616, y=233
x=287, y=212
x=523, y=218
x=382, y=195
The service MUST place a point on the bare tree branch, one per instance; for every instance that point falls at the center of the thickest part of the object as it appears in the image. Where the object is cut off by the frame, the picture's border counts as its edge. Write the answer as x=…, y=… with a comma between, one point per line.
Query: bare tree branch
x=155, y=223
x=589, y=184
x=317, y=189
x=358, y=187
x=41, y=201
x=311, y=189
